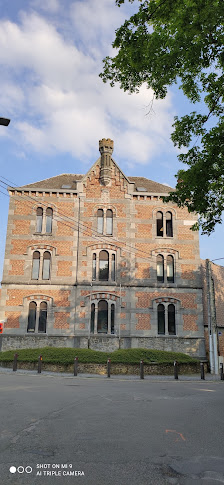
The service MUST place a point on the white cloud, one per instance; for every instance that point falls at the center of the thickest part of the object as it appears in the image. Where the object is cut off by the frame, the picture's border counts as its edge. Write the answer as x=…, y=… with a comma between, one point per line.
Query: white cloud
x=61, y=102
x=49, y=6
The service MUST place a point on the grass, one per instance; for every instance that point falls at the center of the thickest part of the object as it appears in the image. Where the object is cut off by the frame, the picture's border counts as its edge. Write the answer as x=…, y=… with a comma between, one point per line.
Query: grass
x=53, y=355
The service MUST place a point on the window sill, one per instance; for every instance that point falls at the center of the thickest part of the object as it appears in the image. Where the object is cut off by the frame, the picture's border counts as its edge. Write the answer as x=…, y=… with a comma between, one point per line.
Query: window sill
x=167, y=335
x=42, y=233
x=163, y=237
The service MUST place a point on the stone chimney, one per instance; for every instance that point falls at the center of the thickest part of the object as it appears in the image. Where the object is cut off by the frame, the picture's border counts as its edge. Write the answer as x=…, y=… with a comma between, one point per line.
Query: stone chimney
x=106, y=147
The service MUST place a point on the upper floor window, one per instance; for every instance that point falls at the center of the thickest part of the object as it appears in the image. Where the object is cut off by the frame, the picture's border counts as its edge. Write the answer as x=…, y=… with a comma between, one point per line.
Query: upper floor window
x=105, y=222
x=103, y=266
x=164, y=224
x=159, y=223
x=41, y=265
x=170, y=268
x=36, y=265
x=160, y=268
x=46, y=265
x=109, y=222
x=165, y=268
x=100, y=221
x=39, y=219
x=49, y=218
x=169, y=224
x=44, y=219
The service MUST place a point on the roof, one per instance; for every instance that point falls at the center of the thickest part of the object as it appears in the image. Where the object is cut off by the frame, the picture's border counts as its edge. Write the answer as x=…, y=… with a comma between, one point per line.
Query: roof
x=70, y=179
x=150, y=185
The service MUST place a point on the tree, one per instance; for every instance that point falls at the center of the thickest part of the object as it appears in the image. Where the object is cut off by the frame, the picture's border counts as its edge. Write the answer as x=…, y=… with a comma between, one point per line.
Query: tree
x=175, y=41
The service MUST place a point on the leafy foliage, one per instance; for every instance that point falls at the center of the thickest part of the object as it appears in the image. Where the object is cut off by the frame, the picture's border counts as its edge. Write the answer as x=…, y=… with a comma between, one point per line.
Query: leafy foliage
x=52, y=355
x=169, y=42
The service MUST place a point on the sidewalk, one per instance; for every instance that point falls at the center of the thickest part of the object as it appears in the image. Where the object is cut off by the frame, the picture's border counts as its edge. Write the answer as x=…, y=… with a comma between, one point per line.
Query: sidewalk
x=192, y=377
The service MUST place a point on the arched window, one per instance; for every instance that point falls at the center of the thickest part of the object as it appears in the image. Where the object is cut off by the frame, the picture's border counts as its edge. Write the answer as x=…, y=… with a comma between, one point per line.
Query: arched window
x=100, y=221
x=92, y=318
x=36, y=265
x=39, y=220
x=102, y=323
x=109, y=222
x=46, y=265
x=171, y=320
x=161, y=319
x=49, y=218
x=104, y=266
x=160, y=268
x=112, y=317
x=170, y=269
x=32, y=317
x=94, y=267
x=159, y=223
x=43, y=317
x=113, y=267
x=169, y=224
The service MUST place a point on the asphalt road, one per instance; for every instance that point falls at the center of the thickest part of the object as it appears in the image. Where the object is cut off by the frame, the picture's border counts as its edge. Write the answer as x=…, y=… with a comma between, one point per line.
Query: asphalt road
x=100, y=431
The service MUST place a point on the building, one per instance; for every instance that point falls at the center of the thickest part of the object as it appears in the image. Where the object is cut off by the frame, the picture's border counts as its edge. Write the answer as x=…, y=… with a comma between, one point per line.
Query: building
x=213, y=305
x=99, y=260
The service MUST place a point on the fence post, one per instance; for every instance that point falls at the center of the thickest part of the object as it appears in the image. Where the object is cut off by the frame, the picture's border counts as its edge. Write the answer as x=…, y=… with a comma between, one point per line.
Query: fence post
x=15, y=362
x=108, y=367
x=39, y=364
x=141, y=369
x=175, y=369
x=221, y=372
x=76, y=366
x=202, y=371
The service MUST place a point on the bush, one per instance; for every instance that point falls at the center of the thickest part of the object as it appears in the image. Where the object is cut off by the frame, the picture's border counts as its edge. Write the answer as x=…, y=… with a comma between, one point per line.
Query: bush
x=53, y=355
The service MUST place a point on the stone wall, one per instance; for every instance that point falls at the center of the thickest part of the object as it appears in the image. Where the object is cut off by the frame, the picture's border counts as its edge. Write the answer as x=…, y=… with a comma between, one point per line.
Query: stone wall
x=194, y=347
x=116, y=369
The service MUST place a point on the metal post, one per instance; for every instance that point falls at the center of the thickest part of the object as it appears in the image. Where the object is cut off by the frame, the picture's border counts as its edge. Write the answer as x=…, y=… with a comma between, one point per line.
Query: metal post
x=141, y=369
x=15, y=362
x=108, y=367
x=221, y=372
x=175, y=369
x=76, y=366
x=39, y=364
x=202, y=370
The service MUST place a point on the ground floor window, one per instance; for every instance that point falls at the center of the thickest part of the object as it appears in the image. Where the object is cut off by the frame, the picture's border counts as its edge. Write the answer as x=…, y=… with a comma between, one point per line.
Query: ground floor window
x=37, y=317
x=166, y=319
x=102, y=318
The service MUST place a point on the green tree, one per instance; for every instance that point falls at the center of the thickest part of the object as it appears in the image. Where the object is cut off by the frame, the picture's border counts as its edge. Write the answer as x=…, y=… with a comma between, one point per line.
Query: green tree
x=181, y=41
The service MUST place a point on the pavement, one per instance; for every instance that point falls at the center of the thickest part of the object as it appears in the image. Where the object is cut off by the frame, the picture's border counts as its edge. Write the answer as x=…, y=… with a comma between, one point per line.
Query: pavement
x=93, y=430
x=190, y=377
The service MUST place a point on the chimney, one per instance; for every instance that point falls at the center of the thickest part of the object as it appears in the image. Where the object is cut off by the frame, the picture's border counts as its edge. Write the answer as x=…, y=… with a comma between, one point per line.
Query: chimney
x=106, y=147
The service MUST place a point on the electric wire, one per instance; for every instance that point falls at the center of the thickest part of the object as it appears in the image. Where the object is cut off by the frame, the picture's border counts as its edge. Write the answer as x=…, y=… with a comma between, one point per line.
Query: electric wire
x=83, y=227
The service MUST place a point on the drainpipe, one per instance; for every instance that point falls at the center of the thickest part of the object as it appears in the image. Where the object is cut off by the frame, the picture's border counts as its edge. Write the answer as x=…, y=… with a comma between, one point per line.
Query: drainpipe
x=211, y=353
x=77, y=259
x=213, y=345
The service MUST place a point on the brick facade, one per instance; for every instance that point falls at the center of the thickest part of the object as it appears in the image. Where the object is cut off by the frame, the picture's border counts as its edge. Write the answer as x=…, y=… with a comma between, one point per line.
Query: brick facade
x=103, y=223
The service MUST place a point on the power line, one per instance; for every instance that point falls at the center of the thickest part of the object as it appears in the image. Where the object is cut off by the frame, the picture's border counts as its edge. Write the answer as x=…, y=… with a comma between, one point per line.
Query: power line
x=102, y=239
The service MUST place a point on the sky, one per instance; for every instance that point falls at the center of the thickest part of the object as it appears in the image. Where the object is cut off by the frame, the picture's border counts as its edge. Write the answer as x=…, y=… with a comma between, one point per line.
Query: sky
x=50, y=58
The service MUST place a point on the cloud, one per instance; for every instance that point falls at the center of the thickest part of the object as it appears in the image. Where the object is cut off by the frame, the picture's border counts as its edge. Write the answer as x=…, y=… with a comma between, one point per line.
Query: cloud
x=61, y=103
x=49, y=6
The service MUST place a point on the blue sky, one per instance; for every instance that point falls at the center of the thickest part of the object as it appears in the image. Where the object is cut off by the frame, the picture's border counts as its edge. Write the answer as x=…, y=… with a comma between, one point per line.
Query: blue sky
x=50, y=56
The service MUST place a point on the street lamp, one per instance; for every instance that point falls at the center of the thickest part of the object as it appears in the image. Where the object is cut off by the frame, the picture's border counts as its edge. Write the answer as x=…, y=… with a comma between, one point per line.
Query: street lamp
x=4, y=121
